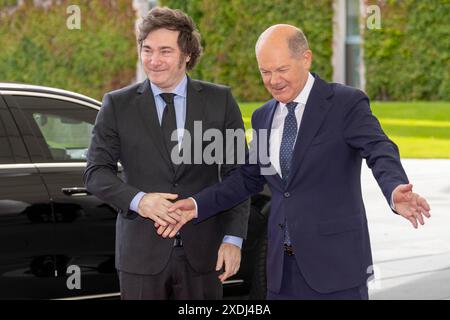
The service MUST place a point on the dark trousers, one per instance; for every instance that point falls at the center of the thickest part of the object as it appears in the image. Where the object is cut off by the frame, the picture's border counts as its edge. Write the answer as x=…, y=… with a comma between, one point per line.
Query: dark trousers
x=178, y=281
x=295, y=287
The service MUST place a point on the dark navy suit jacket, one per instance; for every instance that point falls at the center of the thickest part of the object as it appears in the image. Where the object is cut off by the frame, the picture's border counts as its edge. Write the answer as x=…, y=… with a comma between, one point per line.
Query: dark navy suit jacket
x=322, y=202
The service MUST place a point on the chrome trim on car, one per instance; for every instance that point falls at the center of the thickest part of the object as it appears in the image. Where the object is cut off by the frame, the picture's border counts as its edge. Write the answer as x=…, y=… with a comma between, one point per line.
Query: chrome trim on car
x=17, y=166
x=60, y=165
x=94, y=296
x=7, y=87
x=52, y=96
x=44, y=165
x=117, y=294
x=233, y=281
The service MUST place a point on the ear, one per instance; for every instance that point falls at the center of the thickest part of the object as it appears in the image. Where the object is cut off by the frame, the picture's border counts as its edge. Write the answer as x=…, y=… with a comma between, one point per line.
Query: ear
x=308, y=56
x=188, y=58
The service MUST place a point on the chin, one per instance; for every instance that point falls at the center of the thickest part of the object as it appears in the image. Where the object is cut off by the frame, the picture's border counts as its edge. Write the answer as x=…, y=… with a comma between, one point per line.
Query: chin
x=280, y=98
x=156, y=80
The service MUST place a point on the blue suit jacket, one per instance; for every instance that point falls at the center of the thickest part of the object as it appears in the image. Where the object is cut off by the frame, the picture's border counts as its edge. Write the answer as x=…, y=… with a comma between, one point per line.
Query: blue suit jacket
x=322, y=202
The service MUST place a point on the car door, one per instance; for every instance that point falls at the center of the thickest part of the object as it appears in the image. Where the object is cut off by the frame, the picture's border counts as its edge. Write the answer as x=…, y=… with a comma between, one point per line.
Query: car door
x=27, y=252
x=61, y=128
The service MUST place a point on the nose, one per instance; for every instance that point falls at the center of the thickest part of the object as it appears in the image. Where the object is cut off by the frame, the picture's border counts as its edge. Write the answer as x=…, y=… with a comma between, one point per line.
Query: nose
x=275, y=80
x=155, y=59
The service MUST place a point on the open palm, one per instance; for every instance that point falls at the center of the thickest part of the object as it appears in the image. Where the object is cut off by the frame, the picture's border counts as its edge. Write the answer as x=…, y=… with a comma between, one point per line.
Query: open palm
x=410, y=205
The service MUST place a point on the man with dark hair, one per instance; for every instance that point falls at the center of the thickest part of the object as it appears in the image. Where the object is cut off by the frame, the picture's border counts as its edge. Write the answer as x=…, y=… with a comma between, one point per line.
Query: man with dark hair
x=319, y=133
x=135, y=126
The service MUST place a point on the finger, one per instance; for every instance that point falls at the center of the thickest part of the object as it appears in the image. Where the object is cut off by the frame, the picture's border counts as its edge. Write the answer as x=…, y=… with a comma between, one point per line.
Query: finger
x=176, y=228
x=420, y=217
x=169, y=219
x=161, y=230
x=159, y=221
x=224, y=276
x=156, y=225
x=424, y=204
x=220, y=260
x=229, y=267
x=168, y=230
x=413, y=221
x=425, y=213
x=169, y=196
x=177, y=214
x=166, y=216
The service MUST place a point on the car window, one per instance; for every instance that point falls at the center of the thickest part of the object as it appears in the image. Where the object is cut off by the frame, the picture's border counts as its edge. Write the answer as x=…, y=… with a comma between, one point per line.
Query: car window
x=67, y=138
x=64, y=127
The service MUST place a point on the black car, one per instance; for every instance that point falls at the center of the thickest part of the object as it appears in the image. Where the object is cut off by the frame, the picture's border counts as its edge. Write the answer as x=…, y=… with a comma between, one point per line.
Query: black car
x=56, y=239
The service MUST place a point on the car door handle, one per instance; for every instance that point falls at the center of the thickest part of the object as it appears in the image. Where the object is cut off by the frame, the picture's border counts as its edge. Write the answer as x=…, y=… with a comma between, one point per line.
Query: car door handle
x=75, y=191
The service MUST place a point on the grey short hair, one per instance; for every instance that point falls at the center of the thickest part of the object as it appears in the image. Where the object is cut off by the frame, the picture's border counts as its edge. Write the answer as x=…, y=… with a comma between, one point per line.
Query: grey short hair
x=297, y=43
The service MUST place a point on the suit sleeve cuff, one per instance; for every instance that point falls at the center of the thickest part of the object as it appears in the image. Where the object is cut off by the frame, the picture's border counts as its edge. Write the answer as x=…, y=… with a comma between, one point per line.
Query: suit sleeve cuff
x=134, y=205
x=392, y=201
x=196, y=207
x=233, y=240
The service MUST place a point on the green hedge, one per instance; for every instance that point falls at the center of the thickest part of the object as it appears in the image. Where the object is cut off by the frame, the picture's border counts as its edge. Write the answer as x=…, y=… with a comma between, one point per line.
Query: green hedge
x=7, y=3
x=230, y=29
x=408, y=58
x=38, y=48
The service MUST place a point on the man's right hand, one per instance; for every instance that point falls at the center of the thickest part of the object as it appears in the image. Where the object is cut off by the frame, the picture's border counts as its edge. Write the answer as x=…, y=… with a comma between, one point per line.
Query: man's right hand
x=186, y=211
x=155, y=206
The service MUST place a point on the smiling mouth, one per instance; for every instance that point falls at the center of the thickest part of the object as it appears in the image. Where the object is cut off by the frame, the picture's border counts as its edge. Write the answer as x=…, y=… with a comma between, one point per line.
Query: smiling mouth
x=279, y=90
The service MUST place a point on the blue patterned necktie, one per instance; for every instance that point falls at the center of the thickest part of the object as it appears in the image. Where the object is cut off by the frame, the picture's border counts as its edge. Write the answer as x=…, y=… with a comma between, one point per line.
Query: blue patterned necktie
x=286, y=150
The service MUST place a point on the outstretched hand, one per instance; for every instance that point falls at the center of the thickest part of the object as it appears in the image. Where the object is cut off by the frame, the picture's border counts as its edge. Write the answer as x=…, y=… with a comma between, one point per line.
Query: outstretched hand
x=186, y=211
x=410, y=205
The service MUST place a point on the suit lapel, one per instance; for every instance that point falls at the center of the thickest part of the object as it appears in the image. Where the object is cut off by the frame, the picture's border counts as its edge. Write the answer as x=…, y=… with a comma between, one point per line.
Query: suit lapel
x=195, y=106
x=316, y=109
x=149, y=115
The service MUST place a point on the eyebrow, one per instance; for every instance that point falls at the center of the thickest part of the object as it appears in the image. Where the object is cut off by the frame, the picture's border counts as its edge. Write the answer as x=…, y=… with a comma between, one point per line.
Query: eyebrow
x=146, y=46
x=282, y=67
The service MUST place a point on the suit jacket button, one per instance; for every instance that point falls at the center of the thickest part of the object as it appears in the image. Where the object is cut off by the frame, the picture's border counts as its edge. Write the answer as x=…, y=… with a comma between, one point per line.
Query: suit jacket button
x=287, y=194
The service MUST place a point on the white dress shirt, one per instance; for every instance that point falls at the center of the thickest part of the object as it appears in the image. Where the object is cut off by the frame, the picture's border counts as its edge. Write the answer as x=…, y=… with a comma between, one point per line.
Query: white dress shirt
x=278, y=122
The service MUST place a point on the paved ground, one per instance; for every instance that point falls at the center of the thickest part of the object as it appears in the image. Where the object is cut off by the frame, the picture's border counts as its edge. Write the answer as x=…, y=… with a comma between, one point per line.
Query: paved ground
x=410, y=263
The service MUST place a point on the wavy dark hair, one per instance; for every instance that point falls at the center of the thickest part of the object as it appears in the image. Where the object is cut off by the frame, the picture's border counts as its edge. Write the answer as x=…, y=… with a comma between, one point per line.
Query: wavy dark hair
x=176, y=20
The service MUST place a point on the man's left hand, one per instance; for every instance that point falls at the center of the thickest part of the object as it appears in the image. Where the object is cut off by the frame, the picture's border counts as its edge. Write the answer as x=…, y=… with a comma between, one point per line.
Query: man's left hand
x=230, y=255
x=410, y=205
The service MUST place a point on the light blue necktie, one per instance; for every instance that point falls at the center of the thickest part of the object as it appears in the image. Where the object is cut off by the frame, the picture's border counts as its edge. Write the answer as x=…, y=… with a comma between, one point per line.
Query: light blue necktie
x=286, y=151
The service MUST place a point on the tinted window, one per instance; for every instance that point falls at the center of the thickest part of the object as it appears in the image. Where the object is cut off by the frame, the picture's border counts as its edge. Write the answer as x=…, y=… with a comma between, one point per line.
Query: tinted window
x=64, y=127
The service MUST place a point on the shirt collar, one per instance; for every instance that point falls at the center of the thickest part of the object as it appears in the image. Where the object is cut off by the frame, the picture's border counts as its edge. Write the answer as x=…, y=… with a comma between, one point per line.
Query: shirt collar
x=302, y=97
x=180, y=89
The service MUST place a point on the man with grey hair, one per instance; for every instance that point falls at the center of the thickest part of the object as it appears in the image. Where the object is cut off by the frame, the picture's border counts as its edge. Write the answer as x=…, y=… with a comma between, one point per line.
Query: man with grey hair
x=136, y=126
x=318, y=239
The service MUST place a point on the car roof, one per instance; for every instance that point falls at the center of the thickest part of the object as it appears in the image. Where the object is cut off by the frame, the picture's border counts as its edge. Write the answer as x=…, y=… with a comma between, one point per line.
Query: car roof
x=10, y=86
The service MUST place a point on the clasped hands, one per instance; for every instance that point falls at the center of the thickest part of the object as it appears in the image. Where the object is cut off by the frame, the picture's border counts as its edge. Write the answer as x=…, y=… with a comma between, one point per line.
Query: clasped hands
x=168, y=217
